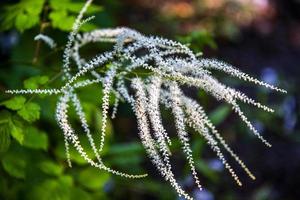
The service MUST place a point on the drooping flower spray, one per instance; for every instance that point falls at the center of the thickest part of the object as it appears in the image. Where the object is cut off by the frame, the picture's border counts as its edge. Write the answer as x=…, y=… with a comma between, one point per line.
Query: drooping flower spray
x=169, y=66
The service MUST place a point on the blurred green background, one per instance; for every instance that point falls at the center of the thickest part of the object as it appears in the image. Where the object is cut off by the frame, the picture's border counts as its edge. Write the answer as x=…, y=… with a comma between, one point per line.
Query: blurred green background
x=261, y=37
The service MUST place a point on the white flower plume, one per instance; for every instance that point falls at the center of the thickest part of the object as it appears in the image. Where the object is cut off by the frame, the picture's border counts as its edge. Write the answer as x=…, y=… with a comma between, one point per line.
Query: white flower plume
x=167, y=66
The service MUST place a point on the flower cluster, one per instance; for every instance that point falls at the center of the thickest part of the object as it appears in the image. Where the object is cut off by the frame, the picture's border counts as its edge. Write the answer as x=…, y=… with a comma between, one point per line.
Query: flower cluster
x=49, y=41
x=168, y=65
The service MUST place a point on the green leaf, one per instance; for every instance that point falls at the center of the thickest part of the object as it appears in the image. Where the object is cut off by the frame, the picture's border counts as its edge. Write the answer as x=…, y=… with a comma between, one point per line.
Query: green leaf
x=30, y=112
x=14, y=103
x=35, y=82
x=67, y=23
x=16, y=128
x=51, y=168
x=12, y=125
x=52, y=189
x=23, y=15
x=4, y=136
x=73, y=7
x=14, y=163
x=25, y=21
x=67, y=10
x=64, y=25
x=219, y=114
x=35, y=139
x=93, y=178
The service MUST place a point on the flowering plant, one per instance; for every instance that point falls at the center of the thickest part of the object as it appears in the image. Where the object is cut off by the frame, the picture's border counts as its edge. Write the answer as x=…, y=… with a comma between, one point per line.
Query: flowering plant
x=168, y=66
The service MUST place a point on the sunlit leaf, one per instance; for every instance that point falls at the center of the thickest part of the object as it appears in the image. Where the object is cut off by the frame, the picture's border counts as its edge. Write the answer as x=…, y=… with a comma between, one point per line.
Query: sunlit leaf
x=16, y=130
x=30, y=112
x=74, y=7
x=25, y=21
x=67, y=11
x=35, y=82
x=66, y=24
x=23, y=15
x=13, y=126
x=14, y=103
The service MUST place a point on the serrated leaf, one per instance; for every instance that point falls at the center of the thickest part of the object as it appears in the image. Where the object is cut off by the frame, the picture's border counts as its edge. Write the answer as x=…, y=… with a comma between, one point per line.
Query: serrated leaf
x=30, y=112
x=14, y=163
x=23, y=15
x=13, y=126
x=92, y=178
x=16, y=130
x=35, y=139
x=51, y=168
x=65, y=24
x=14, y=103
x=25, y=21
x=67, y=11
x=35, y=82
x=73, y=7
